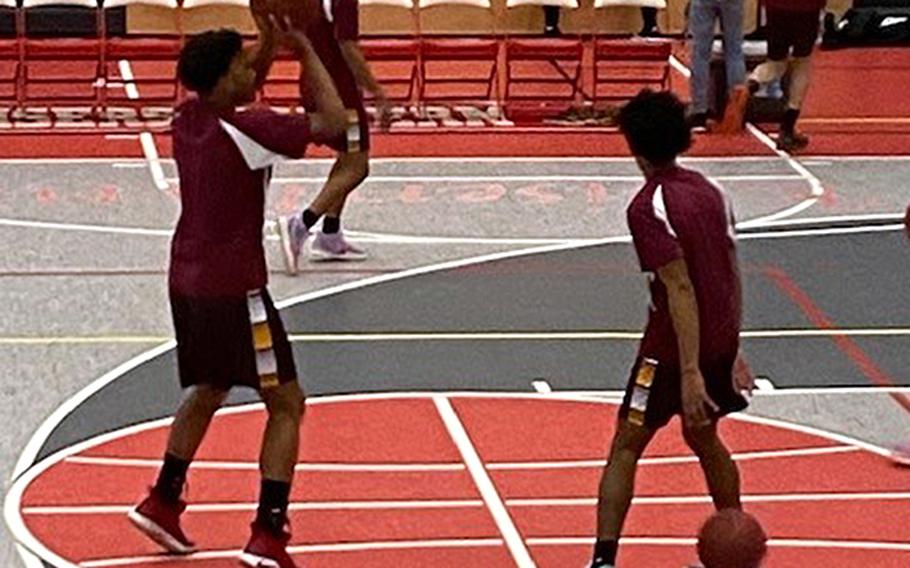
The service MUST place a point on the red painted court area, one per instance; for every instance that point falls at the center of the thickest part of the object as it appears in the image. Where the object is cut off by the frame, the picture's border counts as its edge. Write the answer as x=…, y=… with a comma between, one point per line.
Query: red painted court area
x=392, y=480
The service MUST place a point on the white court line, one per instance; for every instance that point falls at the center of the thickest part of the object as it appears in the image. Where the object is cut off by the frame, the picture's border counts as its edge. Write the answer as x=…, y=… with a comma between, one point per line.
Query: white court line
x=817, y=190
x=680, y=67
x=14, y=497
x=415, y=504
x=146, y=139
x=305, y=549
x=484, y=484
x=254, y=465
x=526, y=178
x=490, y=160
x=391, y=238
x=706, y=499
x=575, y=335
x=774, y=543
x=670, y=460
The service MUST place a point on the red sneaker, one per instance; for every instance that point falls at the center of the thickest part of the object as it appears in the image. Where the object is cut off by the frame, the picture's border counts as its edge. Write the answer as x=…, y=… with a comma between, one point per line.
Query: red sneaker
x=266, y=549
x=159, y=520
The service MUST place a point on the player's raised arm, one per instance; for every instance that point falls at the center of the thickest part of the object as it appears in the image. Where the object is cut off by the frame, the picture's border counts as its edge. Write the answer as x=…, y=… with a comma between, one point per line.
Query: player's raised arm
x=266, y=48
x=328, y=120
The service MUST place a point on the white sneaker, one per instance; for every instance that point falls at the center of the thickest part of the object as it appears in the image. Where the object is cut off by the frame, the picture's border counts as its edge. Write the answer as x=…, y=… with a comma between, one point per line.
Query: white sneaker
x=293, y=234
x=333, y=246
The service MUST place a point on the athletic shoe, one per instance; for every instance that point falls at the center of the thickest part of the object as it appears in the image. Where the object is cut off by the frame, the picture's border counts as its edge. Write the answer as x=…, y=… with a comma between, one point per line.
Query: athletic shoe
x=901, y=454
x=267, y=549
x=697, y=120
x=792, y=142
x=159, y=520
x=333, y=246
x=293, y=234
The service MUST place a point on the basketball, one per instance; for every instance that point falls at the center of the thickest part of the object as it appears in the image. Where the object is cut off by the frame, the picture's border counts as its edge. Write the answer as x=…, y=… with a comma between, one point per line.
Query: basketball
x=302, y=13
x=732, y=539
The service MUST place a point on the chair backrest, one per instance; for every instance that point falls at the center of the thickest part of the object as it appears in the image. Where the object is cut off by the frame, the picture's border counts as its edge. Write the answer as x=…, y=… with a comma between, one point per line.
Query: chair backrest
x=456, y=17
x=388, y=17
x=28, y=4
x=191, y=4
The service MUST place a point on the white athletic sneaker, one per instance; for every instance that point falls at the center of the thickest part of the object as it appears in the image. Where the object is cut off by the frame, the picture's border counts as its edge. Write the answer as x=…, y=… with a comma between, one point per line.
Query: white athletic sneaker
x=293, y=234
x=333, y=246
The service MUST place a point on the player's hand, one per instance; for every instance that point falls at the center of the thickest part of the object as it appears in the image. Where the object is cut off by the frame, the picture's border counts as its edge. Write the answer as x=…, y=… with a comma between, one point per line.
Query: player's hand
x=743, y=378
x=695, y=400
x=384, y=108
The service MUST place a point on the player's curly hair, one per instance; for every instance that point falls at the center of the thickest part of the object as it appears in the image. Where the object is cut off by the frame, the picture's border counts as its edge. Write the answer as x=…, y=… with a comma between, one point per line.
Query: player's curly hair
x=654, y=124
x=206, y=58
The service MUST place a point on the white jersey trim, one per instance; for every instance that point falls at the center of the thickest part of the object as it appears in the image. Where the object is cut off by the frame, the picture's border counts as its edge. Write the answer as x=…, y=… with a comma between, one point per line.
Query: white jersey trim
x=660, y=210
x=256, y=155
x=327, y=9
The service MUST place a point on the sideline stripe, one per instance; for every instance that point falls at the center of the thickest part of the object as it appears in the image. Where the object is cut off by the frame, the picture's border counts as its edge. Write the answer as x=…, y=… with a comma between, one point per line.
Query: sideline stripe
x=146, y=140
x=528, y=178
x=670, y=460
x=254, y=465
x=306, y=549
x=774, y=542
x=706, y=499
x=478, y=543
x=240, y=507
x=483, y=482
x=448, y=467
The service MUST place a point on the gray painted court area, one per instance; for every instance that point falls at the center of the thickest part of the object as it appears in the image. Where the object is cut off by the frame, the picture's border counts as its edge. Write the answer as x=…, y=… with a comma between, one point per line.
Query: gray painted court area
x=84, y=284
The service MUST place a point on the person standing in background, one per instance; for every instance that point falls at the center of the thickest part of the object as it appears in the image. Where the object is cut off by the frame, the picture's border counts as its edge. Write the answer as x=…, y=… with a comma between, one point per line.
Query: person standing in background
x=703, y=16
x=793, y=27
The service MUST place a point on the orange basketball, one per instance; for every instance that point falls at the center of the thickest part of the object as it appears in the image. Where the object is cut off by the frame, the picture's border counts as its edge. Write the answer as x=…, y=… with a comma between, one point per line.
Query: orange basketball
x=302, y=13
x=732, y=539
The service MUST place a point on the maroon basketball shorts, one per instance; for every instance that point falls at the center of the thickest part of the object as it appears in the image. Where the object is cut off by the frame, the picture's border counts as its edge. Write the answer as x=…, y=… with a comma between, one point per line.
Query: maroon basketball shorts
x=791, y=30
x=228, y=342
x=654, y=393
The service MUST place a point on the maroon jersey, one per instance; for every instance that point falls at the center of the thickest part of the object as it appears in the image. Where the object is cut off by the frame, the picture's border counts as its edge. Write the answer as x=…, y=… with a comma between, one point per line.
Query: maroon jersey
x=340, y=22
x=796, y=5
x=681, y=215
x=224, y=163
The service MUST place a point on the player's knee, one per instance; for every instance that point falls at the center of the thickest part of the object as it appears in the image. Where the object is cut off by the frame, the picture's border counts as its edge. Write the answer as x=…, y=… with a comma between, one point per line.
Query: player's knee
x=360, y=167
x=801, y=63
x=700, y=439
x=206, y=399
x=286, y=402
x=630, y=440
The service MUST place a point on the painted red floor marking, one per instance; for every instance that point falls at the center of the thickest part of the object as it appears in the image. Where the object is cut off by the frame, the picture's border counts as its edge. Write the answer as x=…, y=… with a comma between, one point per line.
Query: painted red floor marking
x=821, y=320
x=397, y=431
x=502, y=429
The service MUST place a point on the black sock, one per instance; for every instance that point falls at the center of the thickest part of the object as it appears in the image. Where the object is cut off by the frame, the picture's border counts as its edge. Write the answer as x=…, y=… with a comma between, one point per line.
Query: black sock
x=273, y=504
x=788, y=125
x=331, y=225
x=171, y=477
x=604, y=553
x=309, y=218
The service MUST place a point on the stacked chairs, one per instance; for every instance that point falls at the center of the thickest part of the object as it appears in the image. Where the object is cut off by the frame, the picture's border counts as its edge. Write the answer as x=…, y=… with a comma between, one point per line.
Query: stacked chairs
x=543, y=75
x=442, y=53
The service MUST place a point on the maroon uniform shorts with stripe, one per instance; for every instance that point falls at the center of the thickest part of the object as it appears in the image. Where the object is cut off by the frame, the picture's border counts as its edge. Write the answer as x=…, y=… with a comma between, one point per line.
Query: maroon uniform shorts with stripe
x=664, y=400
x=228, y=342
